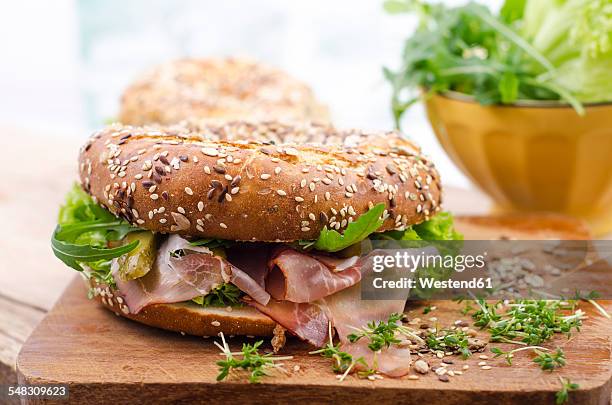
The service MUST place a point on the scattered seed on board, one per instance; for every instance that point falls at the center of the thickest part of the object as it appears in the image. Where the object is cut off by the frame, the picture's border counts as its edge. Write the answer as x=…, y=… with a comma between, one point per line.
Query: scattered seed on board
x=420, y=366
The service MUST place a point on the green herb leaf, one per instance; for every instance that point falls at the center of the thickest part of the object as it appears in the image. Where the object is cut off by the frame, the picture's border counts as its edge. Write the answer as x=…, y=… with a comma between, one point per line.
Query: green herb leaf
x=356, y=231
x=527, y=322
x=449, y=340
x=550, y=361
x=251, y=361
x=226, y=294
x=73, y=255
x=509, y=88
x=512, y=10
x=381, y=334
x=562, y=396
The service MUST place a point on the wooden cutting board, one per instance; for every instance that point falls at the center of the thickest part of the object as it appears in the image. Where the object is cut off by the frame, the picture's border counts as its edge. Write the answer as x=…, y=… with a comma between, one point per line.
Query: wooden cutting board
x=107, y=359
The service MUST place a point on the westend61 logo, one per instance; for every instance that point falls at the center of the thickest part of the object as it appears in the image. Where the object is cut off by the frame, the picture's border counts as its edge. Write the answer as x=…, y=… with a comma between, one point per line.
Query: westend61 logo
x=411, y=261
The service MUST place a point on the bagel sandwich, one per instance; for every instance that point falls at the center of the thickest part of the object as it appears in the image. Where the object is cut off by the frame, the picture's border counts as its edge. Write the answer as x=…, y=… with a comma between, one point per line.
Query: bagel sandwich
x=244, y=228
x=229, y=88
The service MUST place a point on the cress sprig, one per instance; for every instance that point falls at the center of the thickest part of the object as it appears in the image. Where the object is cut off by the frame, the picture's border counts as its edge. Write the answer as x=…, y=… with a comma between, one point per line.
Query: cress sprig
x=343, y=362
x=252, y=361
x=562, y=396
x=383, y=334
x=527, y=322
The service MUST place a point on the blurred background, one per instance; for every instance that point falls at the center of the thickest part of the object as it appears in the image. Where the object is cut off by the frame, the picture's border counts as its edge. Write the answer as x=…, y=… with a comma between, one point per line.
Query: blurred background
x=66, y=62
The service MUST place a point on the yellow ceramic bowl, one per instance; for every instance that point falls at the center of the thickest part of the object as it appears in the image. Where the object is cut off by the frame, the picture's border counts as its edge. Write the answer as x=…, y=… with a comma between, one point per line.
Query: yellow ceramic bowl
x=533, y=156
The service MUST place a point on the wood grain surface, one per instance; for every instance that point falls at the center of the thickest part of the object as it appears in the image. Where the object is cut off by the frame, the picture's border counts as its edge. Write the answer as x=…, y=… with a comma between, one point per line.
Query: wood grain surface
x=110, y=359
x=37, y=172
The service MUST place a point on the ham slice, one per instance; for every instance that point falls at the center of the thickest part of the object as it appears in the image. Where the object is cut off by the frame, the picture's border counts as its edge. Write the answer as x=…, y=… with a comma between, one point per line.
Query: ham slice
x=346, y=311
x=302, y=277
x=177, y=279
x=307, y=321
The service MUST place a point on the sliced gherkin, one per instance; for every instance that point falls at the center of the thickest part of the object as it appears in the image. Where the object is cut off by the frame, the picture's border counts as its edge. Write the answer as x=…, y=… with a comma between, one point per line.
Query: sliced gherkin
x=139, y=261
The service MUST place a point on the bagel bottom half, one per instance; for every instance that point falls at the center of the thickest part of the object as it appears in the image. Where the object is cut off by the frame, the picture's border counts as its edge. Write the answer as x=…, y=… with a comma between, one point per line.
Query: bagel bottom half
x=189, y=318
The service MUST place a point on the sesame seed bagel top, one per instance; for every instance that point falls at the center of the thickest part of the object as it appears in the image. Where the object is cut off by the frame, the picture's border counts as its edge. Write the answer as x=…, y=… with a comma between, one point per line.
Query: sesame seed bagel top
x=262, y=181
x=229, y=88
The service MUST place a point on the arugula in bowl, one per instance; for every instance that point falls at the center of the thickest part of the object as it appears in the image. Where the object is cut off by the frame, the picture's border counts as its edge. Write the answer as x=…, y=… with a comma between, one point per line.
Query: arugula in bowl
x=531, y=50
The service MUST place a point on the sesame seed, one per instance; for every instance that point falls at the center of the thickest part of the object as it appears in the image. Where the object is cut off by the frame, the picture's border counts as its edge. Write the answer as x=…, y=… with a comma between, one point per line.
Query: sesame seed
x=210, y=151
x=181, y=210
x=162, y=220
x=154, y=197
x=188, y=190
x=299, y=199
x=215, y=323
x=311, y=186
x=200, y=206
x=228, y=197
x=235, y=190
x=277, y=170
x=222, y=225
x=312, y=216
x=281, y=192
x=486, y=367
x=206, y=169
x=265, y=176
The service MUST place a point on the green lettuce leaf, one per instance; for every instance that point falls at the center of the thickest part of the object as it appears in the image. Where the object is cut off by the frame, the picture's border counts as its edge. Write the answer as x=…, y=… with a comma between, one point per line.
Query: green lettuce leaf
x=332, y=241
x=83, y=234
x=440, y=227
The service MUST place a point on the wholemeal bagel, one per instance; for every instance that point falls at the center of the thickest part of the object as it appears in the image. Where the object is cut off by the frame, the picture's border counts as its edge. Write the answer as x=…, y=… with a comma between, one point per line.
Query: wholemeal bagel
x=211, y=88
x=262, y=181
